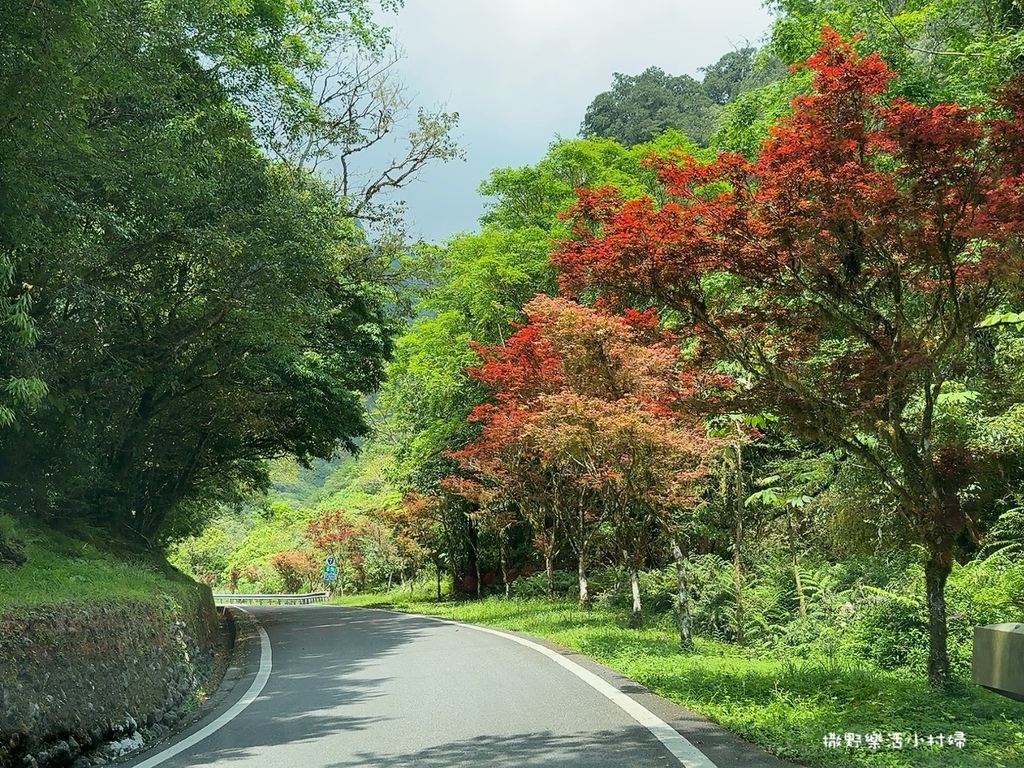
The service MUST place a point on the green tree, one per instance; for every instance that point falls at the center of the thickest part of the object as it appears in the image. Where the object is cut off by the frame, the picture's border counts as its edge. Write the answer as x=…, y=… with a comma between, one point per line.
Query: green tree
x=638, y=107
x=192, y=307
x=942, y=50
x=738, y=72
x=472, y=289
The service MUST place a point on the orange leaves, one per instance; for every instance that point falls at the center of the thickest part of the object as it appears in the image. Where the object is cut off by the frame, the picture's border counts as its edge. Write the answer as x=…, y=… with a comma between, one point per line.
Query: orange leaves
x=841, y=274
x=635, y=247
x=585, y=404
x=568, y=346
x=331, y=531
x=867, y=238
x=847, y=187
x=840, y=71
x=297, y=570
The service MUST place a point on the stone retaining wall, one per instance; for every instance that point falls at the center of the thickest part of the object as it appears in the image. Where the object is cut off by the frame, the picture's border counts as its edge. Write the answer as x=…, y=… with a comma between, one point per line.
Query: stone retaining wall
x=75, y=676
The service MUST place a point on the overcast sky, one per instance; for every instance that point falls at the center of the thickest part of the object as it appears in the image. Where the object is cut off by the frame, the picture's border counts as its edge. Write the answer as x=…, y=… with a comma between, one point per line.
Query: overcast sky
x=521, y=72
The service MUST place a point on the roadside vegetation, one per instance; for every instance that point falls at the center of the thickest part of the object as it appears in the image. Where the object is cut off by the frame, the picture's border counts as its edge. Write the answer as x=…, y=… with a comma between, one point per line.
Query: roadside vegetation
x=730, y=403
x=186, y=290
x=40, y=566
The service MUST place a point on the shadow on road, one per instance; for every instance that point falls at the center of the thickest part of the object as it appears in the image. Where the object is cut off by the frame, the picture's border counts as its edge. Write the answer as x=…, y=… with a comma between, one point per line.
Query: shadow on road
x=595, y=749
x=321, y=657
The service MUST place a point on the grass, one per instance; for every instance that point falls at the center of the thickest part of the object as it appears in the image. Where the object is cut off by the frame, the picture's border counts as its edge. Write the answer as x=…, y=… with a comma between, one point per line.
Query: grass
x=62, y=569
x=783, y=705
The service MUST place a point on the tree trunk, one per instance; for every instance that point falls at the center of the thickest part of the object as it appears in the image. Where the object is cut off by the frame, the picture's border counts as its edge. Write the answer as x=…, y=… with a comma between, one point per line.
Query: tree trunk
x=802, y=602
x=685, y=639
x=582, y=539
x=737, y=545
x=476, y=562
x=581, y=571
x=474, y=550
x=549, y=569
x=504, y=564
x=636, y=617
x=936, y=571
x=437, y=570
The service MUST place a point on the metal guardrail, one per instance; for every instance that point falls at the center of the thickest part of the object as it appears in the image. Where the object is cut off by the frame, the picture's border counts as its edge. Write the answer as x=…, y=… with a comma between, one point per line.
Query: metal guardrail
x=306, y=599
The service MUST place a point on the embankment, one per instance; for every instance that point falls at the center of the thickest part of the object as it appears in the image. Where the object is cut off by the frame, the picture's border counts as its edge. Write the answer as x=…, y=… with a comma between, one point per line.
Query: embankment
x=77, y=675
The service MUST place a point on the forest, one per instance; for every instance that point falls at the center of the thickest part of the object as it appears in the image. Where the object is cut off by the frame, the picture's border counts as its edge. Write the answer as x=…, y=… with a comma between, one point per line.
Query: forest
x=744, y=359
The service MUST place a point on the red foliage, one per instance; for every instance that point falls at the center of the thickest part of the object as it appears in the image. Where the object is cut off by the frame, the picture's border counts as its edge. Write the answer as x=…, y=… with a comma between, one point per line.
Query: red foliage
x=853, y=257
x=331, y=532
x=298, y=570
x=413, y=526
x=586, y=405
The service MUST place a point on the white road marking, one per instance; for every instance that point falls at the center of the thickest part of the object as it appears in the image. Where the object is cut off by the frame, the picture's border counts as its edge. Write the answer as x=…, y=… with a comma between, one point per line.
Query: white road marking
x=266, y=665
x=687, y=754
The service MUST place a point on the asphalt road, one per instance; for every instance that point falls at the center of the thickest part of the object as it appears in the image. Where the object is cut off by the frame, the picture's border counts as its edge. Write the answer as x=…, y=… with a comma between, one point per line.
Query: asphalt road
x=359, y=687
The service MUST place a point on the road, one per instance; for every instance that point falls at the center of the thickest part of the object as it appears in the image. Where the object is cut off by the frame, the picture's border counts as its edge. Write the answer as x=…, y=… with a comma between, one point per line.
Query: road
x=348, y=687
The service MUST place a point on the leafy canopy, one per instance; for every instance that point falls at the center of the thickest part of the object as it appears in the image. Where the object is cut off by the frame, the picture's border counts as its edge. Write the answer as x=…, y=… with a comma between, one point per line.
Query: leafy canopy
x=845, y=271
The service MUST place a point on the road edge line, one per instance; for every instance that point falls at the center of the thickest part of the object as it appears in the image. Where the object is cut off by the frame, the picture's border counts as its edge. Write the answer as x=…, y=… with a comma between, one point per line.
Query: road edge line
x=681, y=748
x=262, y=676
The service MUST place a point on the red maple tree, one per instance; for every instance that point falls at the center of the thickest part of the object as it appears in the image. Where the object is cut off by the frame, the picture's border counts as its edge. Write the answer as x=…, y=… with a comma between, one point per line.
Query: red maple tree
x=422, y=529
x=585, y=426
x=298, y=569
x=333, y=533
x=845, y=270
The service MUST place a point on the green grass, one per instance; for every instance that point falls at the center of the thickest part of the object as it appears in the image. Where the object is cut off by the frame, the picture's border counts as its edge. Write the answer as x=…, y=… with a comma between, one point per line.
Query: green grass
x=61, y=569
x=785, y=706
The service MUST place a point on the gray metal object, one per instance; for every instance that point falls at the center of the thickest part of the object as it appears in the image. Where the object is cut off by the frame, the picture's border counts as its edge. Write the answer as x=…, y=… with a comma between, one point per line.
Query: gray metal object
x=998, y=659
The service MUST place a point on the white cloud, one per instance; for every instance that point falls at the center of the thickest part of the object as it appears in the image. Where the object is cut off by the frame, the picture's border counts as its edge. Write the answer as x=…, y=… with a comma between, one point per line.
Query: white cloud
x=520, y=71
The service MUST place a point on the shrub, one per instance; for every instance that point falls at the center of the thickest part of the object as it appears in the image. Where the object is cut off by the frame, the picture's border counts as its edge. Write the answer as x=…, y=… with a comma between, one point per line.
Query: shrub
x=12, y=550
x=891, y=627
x=536, y=585
x=297, y=570
x=713, y=610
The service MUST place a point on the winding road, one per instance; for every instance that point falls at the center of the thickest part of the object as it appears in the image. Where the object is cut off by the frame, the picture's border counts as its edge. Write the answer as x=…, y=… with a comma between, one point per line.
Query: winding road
x=333, y=687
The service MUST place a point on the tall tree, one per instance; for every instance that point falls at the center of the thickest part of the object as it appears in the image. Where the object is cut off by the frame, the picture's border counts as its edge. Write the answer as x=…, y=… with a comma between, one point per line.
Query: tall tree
x=845, y=271
x=639, y=107
x=501, y=465
x=471, y=289
x=584, y=414
x=195, y=308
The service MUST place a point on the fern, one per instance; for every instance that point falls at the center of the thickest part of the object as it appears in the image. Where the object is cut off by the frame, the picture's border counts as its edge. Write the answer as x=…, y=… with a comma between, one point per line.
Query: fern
x=906, y=601
x=1006, y=537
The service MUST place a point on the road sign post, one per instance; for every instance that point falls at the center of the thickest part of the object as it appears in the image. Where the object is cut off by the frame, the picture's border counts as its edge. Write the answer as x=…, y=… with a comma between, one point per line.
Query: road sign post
x=330, y=570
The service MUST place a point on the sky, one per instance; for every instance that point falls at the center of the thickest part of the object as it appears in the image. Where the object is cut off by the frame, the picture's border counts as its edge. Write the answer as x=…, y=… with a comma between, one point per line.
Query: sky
x=521, y=73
